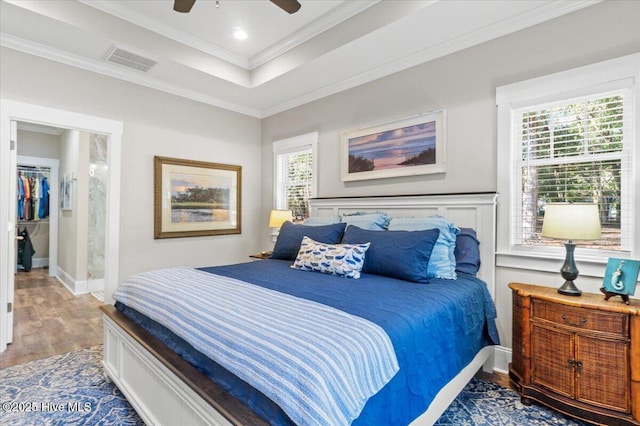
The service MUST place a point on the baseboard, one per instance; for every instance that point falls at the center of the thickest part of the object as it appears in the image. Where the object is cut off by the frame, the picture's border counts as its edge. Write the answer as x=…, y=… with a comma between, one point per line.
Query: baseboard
x=501, y=359
x=75, y=287
x=94, y=285
x=37, y=262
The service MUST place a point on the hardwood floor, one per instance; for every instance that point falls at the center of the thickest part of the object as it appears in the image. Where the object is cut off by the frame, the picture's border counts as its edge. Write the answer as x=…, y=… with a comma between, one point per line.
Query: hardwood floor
x=49, y=320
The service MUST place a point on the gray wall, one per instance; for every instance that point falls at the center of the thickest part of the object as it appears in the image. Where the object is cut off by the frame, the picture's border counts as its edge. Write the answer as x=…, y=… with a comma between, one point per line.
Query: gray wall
x=464, y=84
x=155, y=123
x=35, y=144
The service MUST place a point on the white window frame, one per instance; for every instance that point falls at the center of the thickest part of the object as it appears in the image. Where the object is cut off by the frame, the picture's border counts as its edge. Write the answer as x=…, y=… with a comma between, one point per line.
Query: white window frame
x=604, y=76
x=295, y=144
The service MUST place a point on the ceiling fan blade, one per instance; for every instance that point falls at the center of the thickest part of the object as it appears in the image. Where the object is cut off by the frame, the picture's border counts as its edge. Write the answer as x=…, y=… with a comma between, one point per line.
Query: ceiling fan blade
x=183, y=6
x=289, y=6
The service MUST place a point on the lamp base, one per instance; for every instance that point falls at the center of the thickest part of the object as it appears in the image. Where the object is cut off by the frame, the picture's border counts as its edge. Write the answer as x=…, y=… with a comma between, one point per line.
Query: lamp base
x=570, y=289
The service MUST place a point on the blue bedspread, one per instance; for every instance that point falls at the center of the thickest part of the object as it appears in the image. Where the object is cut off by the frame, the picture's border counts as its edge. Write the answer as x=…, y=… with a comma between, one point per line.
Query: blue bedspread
x=436, y=329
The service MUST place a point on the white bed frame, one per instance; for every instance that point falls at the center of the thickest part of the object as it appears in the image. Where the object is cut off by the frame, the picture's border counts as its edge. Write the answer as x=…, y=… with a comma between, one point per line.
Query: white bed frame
x=161, y=395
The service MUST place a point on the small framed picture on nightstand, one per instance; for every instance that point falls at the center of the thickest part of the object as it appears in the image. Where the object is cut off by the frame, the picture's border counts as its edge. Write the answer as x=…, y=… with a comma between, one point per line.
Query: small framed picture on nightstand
x=620, y=276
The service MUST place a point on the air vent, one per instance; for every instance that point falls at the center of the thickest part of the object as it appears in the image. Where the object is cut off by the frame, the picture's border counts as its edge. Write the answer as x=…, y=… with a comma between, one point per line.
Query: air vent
x=129, y=59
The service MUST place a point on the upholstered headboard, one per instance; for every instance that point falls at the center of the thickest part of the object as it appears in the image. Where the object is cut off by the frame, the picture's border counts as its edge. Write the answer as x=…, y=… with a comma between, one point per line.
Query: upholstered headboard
x=476, y=210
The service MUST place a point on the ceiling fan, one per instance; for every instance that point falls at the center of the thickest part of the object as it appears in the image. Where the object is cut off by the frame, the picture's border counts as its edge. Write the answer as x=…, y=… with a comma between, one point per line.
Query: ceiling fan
x=289, y=6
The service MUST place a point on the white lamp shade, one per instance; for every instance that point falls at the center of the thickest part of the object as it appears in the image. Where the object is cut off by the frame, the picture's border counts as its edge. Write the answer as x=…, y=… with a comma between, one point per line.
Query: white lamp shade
x=278, y=217
x=566, y=221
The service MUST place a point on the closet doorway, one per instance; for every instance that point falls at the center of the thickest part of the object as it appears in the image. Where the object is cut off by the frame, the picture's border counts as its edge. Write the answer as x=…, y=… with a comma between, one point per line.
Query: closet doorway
x=73, y=229
x=39, y=221
x=12, y=112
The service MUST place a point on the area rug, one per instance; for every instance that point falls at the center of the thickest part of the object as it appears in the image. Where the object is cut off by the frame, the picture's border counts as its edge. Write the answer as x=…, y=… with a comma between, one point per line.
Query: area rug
x=68, y=389
x=487, y=404
x=71, y=389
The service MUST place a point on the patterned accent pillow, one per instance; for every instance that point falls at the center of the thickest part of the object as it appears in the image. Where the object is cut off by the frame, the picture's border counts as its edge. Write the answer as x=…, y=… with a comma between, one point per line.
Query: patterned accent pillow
x=345, y=260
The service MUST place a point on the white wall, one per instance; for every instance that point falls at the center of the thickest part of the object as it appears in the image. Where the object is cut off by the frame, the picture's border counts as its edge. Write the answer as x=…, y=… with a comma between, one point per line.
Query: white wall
x=68, y=222
x=464, y=84
x=155, y=123
x=35, y=144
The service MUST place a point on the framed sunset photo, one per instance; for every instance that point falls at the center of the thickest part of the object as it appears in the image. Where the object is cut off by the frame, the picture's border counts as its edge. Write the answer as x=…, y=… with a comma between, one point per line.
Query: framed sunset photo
x=411, y=146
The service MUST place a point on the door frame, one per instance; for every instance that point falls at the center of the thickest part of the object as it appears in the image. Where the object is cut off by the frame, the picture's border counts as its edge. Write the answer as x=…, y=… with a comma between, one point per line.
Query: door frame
x=19, y=111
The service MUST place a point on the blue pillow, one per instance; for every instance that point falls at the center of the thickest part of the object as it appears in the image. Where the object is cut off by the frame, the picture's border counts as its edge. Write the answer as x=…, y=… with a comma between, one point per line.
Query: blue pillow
x=467, y=251
x=398, y=254
x=290, y=238
x=442, y=263
x=322, y=220
x=366, y=220
x=345, y=260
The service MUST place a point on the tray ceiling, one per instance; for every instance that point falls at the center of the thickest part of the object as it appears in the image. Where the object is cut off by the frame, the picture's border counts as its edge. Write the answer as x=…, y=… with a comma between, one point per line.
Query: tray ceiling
x=287, y=60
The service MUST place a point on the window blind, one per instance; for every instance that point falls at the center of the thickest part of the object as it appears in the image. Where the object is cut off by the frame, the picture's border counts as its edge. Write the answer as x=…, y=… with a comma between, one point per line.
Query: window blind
x=579, y=151
x=294, y=175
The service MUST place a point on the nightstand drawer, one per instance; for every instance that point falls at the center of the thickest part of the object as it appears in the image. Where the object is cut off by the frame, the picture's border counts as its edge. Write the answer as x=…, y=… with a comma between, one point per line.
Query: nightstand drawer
x=583, y=318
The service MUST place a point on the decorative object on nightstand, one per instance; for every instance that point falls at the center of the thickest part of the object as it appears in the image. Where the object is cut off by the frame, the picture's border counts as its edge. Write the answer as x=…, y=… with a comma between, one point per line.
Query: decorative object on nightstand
x=579, y=356
x=262, y=255
x=566, y=221
x=620, y=278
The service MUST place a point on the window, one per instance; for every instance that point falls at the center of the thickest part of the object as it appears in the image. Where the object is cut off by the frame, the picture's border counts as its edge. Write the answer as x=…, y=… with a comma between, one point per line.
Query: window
x=295, y=174
x=569, y=137
x=573, y=151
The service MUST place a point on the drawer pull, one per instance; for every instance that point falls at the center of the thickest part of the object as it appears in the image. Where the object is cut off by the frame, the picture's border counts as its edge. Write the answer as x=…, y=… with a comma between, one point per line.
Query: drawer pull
x=582, y=322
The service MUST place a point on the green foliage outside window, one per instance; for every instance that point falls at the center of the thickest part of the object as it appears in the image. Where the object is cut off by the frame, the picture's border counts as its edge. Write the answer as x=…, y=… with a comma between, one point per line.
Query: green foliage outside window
x=572, y=153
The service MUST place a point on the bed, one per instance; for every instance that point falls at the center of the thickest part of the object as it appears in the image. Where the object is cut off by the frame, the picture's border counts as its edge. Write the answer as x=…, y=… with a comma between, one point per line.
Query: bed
x=173, y=386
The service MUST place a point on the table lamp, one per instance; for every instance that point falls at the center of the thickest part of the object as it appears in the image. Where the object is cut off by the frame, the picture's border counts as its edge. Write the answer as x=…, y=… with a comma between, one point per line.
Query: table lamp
x=278, y=217
x=570, y=222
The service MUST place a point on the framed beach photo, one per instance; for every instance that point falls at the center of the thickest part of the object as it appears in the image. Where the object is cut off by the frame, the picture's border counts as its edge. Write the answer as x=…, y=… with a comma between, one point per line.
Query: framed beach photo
x=621, y=275
x=411, y=146
x=195, y=198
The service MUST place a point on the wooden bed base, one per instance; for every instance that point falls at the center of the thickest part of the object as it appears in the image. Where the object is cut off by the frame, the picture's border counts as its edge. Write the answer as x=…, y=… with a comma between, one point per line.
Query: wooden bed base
x=166, y=390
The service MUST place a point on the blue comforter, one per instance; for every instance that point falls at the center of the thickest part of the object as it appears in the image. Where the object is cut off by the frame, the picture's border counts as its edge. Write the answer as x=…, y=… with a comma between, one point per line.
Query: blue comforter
x=436, y=330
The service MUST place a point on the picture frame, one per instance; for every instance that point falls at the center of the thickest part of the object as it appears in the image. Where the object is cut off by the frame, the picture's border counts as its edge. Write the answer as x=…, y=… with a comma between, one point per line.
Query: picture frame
x=66, y=192
x=620, y=276
x=405, y=147
x=196, y=198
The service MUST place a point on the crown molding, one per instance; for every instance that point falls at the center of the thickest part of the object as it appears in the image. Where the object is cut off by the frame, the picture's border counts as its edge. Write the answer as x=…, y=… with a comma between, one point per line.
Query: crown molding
x=37, y=49
x=325, y=22
x=522, y=21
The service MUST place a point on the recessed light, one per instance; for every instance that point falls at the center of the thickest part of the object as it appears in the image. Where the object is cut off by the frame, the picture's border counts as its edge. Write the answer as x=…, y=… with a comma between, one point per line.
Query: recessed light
x=240, y=34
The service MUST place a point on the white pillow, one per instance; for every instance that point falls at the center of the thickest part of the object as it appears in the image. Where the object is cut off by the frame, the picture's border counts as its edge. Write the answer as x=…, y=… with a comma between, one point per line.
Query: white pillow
x=345, y=260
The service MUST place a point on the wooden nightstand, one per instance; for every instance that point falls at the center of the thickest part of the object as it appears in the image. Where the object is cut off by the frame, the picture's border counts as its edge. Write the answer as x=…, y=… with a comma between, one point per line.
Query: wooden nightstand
x=579, y=355
x=261, y=255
